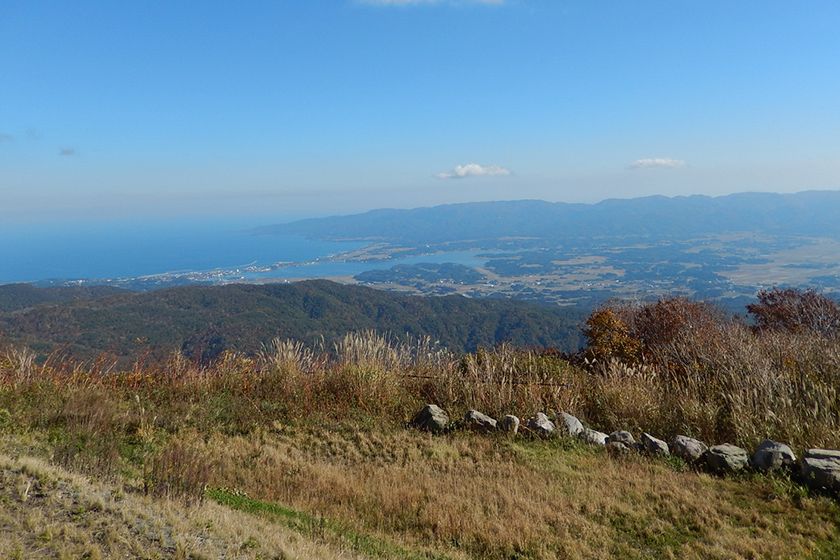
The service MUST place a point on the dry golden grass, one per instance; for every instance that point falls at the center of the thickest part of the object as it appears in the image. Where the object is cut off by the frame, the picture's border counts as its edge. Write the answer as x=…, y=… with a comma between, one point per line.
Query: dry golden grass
x=47, y=512
x=494, y=497
x=731, y=386
x=457, y=496
x=721, y=383
x=311, y=446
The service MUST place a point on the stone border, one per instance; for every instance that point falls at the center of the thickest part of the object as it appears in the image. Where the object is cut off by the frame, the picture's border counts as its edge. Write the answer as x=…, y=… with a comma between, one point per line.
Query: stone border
x=819, y=469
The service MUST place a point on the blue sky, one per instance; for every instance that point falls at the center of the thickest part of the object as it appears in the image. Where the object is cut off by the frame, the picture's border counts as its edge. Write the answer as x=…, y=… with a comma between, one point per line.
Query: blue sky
x=291, y=108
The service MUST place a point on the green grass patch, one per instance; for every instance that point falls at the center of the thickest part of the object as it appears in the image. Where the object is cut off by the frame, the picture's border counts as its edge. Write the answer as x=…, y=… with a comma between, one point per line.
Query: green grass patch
x=549, y=453
x=827, y=550
x=636, y=539
x=319, y=527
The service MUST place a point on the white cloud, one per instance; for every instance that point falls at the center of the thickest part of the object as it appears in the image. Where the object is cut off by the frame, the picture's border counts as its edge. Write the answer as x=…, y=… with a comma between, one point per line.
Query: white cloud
x=474, y=170
x=652, y=163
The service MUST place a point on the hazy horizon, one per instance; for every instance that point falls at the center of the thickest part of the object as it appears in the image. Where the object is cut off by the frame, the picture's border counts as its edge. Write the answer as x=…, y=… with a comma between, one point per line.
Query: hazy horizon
x=245, y=221
x=234, y=248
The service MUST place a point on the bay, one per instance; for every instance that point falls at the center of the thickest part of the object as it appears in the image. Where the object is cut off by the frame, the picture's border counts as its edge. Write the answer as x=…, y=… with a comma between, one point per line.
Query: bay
x=121, y=250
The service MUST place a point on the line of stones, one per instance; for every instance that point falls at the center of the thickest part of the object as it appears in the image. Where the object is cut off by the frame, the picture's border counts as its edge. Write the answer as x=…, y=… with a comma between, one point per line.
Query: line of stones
x=819, y=469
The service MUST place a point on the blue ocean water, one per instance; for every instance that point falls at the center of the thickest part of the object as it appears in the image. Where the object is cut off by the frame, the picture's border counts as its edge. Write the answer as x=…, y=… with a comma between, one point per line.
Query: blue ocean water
x=332, y=269
x=105, y=250
x=120, y=250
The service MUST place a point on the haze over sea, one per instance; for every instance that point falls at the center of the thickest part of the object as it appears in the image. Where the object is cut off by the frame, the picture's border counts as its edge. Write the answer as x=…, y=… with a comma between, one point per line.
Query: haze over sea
x=138, y=248
x=130, y=249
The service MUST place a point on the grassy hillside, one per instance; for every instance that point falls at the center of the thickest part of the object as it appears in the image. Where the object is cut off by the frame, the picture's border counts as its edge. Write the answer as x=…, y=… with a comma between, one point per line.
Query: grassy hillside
x=205, y=320
x=295, y=455
x=47, y=511
x=313, y=493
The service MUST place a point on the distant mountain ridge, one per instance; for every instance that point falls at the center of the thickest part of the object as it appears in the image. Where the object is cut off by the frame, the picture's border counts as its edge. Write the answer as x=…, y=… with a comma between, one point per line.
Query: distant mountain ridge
x=809, y=213
x=205, y=320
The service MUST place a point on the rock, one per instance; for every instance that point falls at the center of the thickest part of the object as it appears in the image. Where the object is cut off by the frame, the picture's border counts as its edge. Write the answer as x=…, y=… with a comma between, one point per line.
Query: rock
x=623, y=437
x=479, y=422
x=726, y=458
x=431, y=418
x=541, y=425
x=772, y=455
x=593, y=437
x=653, y=445
x=509, y=424
x=620, y=443
x=618, y=448
x=688, y=449
x=821, y=470
x=822, y=454
x=569, y=424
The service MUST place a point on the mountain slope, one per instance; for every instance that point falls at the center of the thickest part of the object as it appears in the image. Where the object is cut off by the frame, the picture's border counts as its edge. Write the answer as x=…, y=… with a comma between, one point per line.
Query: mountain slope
x=805, y=213
x=14, y=297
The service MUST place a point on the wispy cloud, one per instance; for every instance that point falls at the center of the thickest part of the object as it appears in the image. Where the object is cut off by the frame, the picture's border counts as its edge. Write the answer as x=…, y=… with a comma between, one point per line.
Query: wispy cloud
x=654, y=163
x=474, y=170
x=67, y=152
x=6, y=138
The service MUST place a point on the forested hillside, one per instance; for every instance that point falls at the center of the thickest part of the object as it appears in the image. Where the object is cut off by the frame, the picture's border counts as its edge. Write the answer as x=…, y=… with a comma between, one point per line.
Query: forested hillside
x=14, y=297
x=205, y=320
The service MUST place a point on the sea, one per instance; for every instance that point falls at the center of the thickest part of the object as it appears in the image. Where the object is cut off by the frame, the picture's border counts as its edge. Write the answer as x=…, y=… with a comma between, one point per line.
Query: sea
x=119, y=250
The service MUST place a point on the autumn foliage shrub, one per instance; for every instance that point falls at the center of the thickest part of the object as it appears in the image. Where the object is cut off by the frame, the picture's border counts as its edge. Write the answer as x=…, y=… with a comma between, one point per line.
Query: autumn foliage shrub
x=796, y=311
x=692, y=369
x=609, y=336
x=635, y=333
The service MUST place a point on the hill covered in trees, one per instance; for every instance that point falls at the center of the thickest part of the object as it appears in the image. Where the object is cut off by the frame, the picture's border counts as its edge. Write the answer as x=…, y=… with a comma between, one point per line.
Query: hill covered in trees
x=203, y=321
x=15, y=297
